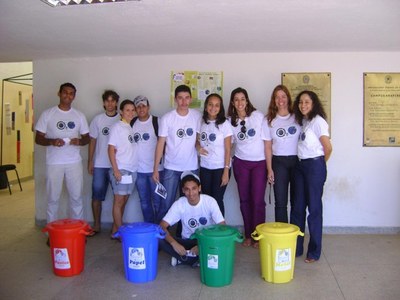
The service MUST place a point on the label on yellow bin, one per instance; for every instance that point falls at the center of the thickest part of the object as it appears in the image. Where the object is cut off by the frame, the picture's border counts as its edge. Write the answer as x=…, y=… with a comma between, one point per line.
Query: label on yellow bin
x=61, y=258
x=283, y=259
x=136, y=258
x=212, y=261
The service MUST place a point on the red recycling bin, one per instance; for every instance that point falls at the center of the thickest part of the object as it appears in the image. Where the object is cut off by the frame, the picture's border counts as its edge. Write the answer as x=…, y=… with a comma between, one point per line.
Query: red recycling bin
x=67, y=245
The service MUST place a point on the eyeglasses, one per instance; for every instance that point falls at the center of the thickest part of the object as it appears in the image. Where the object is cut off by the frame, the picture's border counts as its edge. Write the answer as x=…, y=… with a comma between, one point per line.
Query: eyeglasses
x=243, y=128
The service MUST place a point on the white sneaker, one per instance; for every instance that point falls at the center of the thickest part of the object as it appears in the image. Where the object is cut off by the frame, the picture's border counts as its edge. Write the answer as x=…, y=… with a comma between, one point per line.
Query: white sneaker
x=175, y=261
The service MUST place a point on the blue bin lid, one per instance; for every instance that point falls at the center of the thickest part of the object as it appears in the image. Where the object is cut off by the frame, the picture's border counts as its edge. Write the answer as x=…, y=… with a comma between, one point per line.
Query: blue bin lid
x=218, y=230
x=139, y=227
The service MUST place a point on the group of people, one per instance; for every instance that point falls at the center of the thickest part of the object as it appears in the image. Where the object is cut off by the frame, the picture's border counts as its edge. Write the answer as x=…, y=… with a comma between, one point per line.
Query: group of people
x=192, y=153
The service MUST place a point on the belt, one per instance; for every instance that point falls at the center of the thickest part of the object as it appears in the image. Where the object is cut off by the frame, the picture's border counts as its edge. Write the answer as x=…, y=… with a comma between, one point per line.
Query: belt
x=312, y=158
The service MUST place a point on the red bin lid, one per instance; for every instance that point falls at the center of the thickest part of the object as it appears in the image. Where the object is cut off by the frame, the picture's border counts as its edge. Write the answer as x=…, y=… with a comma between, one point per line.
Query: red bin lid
x=66, y=224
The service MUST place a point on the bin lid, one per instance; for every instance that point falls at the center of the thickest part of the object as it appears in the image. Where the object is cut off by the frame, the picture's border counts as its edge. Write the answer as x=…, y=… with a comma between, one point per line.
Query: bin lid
x=219, y=230
x=66, y=224
x=139, y=227
x=277, y=228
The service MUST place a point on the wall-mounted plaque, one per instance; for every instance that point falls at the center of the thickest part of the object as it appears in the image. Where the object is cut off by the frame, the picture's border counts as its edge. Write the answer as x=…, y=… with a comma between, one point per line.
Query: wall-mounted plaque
x=381, y=109
x=319, y=83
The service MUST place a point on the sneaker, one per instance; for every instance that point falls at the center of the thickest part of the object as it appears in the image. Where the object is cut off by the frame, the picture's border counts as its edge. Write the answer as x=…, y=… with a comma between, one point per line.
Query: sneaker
x=175, y=261
x=196, y=264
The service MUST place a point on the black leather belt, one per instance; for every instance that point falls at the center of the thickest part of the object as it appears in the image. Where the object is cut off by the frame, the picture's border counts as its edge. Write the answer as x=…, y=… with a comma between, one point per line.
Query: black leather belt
x=312, y=158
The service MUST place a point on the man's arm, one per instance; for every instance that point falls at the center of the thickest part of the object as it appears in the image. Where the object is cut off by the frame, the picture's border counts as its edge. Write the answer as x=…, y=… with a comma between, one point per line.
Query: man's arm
x=92, y=149
x=168, y=237
x=42, y=140
x=157, y=157
x=84, y=140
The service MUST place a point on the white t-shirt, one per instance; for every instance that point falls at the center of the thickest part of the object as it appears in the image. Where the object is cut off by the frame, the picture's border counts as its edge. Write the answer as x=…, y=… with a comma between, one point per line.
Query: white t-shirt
x=284, y=133
x=309, y=144
x=206, y=212
x=249, y=145
x=56, y=123
x=121, y=137
x=180, y=132
x=100, y=130
x=213, y=140
x=146, y=139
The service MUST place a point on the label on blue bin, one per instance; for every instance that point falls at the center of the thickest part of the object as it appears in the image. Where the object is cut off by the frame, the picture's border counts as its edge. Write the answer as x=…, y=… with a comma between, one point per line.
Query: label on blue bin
x=283, y=259
x=61, y=258
x=137, y=260
x=212, y=261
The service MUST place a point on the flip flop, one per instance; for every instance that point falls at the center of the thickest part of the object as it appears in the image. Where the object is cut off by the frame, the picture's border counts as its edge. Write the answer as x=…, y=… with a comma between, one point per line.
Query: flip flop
x=310, y=260
x=93, y=233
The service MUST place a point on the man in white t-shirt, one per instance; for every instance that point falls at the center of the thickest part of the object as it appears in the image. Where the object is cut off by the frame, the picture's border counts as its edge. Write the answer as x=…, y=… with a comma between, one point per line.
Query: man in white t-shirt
x=98, y=161
x=177, y=133
x=145, y=134
x=194, y=210
x=63, y=129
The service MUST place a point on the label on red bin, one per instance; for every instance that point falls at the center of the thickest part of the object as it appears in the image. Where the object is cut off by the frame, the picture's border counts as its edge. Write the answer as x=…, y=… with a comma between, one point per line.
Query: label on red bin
x=61, y=258
x=283, y=259
x=137, y=260
x=212, y=261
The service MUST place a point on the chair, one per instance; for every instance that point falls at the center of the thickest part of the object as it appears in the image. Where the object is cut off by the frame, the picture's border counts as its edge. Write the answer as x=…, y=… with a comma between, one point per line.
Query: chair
x=3, y=176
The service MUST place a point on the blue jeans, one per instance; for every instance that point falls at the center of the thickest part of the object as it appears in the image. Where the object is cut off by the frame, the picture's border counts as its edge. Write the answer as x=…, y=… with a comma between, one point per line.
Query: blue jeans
x=171, y=182
x=211, y=185
x=149, y=201
x=310, y=176
x=283, y=167
x=100, y=182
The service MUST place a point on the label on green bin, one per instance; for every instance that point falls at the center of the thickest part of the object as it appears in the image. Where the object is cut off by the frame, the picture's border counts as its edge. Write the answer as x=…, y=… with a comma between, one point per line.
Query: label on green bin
x=212, y=261
x=61, y=258
x=137, y=260
x=283, y=259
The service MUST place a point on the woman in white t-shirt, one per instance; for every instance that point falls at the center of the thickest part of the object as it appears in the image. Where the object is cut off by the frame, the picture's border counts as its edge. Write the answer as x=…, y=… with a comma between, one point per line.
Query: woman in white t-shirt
x=122, y=151
x=281, y=133
x=214, y=147
x=314, y=149
x=248, y=161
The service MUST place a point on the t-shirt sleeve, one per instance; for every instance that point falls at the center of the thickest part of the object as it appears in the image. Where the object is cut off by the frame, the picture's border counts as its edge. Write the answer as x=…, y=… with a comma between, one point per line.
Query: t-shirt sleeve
x=163, y=126
x=41, y=124
x=173, y=215
x=265, y=131
x=321, y=127
x=84, y=124
x=93, y=129
x=215, y=211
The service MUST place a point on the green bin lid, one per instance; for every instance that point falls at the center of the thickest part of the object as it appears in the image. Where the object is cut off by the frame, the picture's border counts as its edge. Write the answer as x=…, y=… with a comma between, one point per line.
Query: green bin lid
x=218, y=230
x=277, y=228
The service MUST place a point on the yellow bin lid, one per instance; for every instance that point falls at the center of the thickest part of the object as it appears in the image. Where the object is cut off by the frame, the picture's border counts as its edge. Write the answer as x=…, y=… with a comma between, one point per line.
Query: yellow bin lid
x=277, y=228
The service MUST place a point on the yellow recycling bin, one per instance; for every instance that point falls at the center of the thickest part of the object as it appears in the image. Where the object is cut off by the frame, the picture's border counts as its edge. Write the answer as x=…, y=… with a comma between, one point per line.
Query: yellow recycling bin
x=277, y=250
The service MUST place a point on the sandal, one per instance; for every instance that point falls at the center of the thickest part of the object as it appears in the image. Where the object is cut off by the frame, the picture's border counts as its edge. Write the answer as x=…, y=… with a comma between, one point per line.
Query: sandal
x=310, y=260
x=247, y=242
x=93, y=233
x=256, y=245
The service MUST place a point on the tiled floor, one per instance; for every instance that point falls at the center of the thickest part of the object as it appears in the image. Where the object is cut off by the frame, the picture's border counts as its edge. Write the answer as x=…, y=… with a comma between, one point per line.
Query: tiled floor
x=351, y=267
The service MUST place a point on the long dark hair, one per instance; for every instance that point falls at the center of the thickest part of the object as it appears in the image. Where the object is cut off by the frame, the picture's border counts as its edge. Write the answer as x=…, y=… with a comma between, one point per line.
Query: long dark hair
x=317, y=108
x=272, y=108
x=221, y=114
x=232, y=110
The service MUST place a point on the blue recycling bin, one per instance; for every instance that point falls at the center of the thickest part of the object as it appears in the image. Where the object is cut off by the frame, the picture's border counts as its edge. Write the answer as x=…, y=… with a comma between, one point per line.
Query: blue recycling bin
x=140, y=250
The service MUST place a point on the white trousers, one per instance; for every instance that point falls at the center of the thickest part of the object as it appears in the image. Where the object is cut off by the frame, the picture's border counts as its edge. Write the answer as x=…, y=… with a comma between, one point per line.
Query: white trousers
x=73, y=174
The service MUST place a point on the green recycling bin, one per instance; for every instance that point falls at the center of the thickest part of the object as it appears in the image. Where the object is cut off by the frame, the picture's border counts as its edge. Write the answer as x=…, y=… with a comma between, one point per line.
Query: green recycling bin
x=217, y=253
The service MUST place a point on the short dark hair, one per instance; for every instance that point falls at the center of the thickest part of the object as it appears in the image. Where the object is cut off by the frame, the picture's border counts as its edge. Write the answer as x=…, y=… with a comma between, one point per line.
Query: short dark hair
x=67, y=84
x=188, y=178
x=110, y=93
x=183, y=88
x=125, y=102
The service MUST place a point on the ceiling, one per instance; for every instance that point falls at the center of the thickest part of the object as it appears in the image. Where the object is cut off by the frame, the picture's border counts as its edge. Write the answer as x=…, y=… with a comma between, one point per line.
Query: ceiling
x=32, y=30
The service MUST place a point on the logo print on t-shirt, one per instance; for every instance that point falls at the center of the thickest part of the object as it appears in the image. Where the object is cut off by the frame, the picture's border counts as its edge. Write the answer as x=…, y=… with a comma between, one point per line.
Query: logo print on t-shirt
x=130, y=139
x=61, y=125
x=281, y=132
x=193, y=223
x=251, y=132
x=71, y=124
x=105, y=131
x=181, y=133
x=136, y=137
x=292, y=130
x=203, y=220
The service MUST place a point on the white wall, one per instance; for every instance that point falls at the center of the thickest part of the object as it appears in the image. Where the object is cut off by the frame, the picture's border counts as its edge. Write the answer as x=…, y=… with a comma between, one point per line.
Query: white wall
x=362, y=191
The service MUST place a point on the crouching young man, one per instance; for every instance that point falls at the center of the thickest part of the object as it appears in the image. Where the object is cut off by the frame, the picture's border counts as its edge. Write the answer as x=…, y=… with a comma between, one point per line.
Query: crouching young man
x=194, y=210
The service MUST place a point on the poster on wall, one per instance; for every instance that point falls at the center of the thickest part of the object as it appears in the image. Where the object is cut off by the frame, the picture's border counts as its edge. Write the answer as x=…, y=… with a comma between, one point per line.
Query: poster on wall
x=381, y=109
x=201, y=85
x=319, y=83
x=7, y=114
